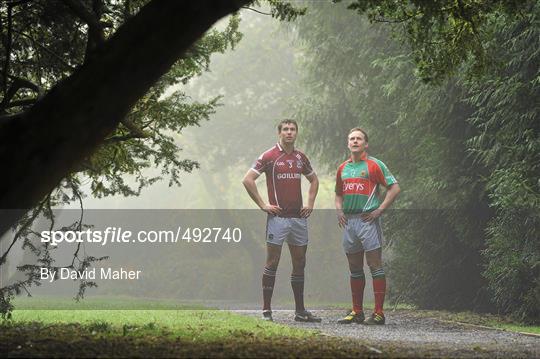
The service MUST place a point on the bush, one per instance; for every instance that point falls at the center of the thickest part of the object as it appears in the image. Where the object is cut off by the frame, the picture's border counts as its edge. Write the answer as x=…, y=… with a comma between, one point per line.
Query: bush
x=513, y=270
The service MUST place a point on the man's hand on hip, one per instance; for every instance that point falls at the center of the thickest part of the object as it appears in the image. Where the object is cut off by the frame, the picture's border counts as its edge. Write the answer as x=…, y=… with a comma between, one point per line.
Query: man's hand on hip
x=371, y=216
x=271, y=209
x=305, y=212
x=342, y=219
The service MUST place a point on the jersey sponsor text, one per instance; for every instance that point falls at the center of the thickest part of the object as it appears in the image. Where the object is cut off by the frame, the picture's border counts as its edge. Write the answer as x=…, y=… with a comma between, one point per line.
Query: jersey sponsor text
x=356, y=186
x=288, y=176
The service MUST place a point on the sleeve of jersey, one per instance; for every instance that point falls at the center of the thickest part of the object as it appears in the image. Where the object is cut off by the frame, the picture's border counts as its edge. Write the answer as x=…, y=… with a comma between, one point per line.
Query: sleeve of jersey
x=260, y=164
x=385, y=177
x=307, y=169
x=339, y=182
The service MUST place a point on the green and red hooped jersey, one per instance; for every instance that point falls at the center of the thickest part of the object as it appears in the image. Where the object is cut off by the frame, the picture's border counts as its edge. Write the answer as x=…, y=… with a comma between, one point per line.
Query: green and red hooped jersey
x=358, y=183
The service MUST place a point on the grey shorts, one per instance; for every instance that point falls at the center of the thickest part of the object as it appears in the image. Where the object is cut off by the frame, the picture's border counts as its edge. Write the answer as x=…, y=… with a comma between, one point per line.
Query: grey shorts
x=362, y=236
x=292, y=230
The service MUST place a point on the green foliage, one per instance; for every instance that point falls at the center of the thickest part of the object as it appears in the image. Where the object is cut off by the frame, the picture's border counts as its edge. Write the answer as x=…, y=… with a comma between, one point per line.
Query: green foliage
x=285, y=11
x=513, y=269
x=465, y=152
x=279, y=9
x=508, y=143
x=442, y=34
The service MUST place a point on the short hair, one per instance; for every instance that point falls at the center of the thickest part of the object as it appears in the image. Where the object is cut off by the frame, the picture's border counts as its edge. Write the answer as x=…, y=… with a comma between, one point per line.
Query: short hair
x=288, y=122
x=359, y=129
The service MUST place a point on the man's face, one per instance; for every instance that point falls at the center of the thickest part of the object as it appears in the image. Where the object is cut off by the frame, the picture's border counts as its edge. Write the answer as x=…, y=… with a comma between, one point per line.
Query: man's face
x=288, y=133
x=357, y=142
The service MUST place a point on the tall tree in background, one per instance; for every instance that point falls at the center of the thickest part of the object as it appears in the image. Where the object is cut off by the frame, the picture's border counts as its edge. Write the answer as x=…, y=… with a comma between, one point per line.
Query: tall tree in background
x=466, y=145
x=255, y=81
x=507, y=117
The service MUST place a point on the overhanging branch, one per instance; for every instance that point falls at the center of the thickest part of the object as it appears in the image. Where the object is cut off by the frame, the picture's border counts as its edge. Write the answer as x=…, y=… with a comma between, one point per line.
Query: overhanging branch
x=17, y=84
x=95, y=28
x=75, y=117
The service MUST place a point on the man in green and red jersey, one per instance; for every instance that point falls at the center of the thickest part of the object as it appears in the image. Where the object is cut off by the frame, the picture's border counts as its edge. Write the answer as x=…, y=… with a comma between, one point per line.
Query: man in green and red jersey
x=283, y=166
x=358, y=209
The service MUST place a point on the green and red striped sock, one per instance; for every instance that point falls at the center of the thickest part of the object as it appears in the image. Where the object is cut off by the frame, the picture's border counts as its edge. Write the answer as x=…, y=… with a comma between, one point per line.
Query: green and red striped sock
x=358, y=282
x=379, y=288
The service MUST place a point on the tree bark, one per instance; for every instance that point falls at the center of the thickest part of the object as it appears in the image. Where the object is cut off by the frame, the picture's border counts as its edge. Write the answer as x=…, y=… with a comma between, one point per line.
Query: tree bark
x=69, y=123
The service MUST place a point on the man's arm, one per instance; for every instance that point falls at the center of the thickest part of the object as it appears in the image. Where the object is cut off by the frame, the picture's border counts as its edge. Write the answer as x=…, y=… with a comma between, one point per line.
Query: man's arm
x=305, y=212
x=342, y=219
x=391, y=195
x=251, y=188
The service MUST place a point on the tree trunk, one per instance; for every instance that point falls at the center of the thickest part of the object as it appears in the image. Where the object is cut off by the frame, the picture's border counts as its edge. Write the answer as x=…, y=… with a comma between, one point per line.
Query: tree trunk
x=40, y=148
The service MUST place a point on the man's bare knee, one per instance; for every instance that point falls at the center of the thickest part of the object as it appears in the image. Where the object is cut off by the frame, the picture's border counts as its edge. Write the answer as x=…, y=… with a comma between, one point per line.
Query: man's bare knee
x=374, y=259
x=298, y=265
x=374, y=264
x=273, y=262
x=273, y=254
x=356, y=261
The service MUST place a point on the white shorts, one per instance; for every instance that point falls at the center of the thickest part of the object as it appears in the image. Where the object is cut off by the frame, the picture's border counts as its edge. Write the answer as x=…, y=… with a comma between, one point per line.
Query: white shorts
x=362, y=236
x=292, y=230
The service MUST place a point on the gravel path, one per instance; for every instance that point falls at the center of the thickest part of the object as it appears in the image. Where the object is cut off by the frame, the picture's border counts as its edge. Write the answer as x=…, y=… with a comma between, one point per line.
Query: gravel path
x=409, y=334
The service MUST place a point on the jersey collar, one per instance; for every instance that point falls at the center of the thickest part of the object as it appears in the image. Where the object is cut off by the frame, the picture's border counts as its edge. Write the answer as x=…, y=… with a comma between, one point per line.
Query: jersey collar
x=363, y=158
x=281, y=148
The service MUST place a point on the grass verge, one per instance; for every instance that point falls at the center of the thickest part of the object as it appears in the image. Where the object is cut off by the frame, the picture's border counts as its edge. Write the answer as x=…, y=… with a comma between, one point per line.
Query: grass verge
x=161, y=333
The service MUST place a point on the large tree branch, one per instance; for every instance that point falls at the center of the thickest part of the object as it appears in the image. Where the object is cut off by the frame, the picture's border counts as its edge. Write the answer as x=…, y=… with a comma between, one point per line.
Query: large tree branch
x=95, y=28
x=75, y=117
x=17, y=84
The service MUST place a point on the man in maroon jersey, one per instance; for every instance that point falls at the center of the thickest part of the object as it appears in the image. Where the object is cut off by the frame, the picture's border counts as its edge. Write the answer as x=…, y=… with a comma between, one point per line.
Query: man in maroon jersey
x=284, y=166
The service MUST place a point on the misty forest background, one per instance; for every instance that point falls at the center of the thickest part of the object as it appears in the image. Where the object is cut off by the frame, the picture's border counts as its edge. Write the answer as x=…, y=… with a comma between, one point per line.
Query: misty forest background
x=457, y=126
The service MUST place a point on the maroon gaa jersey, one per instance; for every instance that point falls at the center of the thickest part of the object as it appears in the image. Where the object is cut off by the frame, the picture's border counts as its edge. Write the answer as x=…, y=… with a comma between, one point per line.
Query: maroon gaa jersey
x=283, y=174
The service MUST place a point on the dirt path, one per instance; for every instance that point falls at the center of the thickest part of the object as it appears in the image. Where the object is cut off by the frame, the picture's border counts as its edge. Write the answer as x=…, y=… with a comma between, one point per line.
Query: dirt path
x=409, y=334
